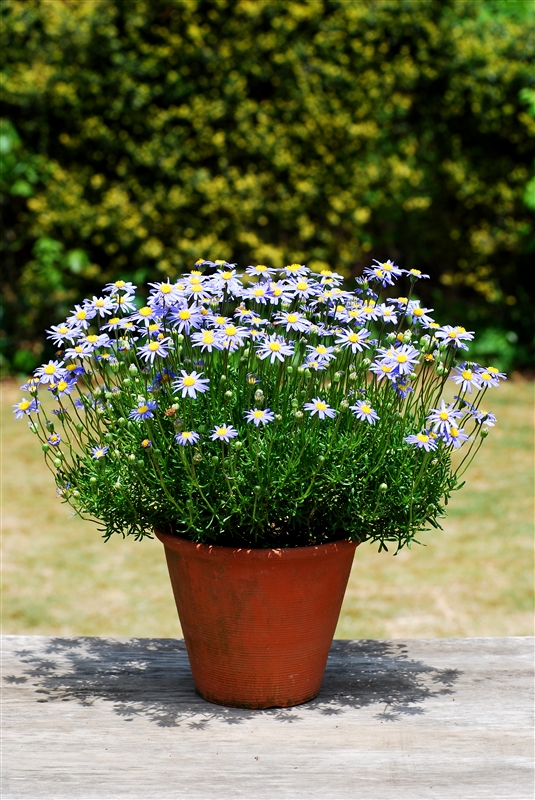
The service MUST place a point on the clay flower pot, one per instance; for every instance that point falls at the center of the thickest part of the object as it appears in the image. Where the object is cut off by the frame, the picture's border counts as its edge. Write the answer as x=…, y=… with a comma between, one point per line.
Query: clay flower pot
x=258, y=624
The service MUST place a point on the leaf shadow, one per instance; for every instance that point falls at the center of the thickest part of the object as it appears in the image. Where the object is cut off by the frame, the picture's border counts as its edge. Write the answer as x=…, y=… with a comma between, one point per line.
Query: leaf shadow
x=151, y=678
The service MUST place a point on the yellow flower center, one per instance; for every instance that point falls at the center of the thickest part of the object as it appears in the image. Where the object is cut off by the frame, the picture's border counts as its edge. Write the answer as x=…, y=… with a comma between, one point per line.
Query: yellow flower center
x=91, y=339
x=120, y=284
x=453, y=334
x=292, y=318
x=260, y=268
x=258, y=414
x=114, y=321
x=302, y=286
x=321, y=349
x=142, y=409
x=259, y=292
x=365, y=409
x=207, y=337
x=493, y=370
x=153, y=346
x=443, y=415
x=81, y=315
x=415, y=272
x=293, y=267
x=62, y=385
x=226, y=275
x=165, y=288
x=467, y=374
x=231, y=330
x=386, y=368
x=24, y=404
x=422, y=437
x=145, y=311
x=189, y=381
x=99, y=303
x=221, y=431
x=62, y=329
x=353, y=337
x=184, y=314
x=486, y=376
x=274, y=346
x=418, y=312
x=186, y=434
x=454, y=432
x=220, y=320
x=50, y=369
x=401, y=358
x=321, y=406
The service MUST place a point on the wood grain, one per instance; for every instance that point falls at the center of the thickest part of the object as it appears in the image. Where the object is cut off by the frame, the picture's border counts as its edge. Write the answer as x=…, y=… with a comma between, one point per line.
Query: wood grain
x=92, y=718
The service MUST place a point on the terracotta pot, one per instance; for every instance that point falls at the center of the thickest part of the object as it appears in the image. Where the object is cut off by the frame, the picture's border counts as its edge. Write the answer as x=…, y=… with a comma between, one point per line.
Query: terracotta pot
x=258, y=624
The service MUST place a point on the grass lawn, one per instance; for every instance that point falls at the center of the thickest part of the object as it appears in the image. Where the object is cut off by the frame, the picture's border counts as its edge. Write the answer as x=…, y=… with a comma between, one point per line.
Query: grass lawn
x=475, y=578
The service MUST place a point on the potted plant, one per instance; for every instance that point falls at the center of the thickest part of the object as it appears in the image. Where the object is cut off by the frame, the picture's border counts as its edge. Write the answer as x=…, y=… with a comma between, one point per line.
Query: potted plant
x=262, y=425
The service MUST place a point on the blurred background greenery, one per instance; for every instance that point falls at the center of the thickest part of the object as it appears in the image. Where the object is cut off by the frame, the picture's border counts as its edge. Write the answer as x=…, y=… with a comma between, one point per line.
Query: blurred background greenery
x=140, y=135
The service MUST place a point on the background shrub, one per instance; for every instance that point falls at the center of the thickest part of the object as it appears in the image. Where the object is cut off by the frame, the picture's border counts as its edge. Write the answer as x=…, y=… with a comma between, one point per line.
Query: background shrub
x=140, y=135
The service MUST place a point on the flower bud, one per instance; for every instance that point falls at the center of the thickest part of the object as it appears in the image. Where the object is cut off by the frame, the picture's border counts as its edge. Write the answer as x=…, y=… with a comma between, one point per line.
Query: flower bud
x=321, y=459
x=353, y=377
x=115, y=368
x=215, y=461
x=383, y=487
x=57, y=461
x=338, y=376
x=289, y=369
x=344, y=404
x=132, y=369
x=391, y=337
x=257, y=489
x=127, y=381
x=108, y=396
x=425, y=341
x=295, y=403
x=366, y=362
x=132, y=457
x=228, y=395
x=298, y=415
x=413, y=376
x=259, y=395
x=50, y=425
x=197, y=458
x=278, y=417
x=300, y=369
x=484, y=433
x=116, y=453
x=92, y=479
x=121, y=422
x=109, y=437
x=32, y=427
x=45, y=448
x=237, y=445
x=407, y=337
x=308, y=373
x=76, y=493
x=180, y=338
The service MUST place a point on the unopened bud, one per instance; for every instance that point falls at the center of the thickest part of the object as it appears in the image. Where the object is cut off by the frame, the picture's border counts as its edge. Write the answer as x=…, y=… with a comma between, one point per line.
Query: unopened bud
x=259, y=395
x=383, y=487
x=238, y=445
x=50, y=425
x=298, y=415
x=45, y=448
x=338, y=376
x=197, y=458
x=121, y=422
x=353, y=377
x=407, y=337
x=215, y=461
x=132, y=369
x=228, y=395
x=289, y=369
x=440, y=369
x=484, y=433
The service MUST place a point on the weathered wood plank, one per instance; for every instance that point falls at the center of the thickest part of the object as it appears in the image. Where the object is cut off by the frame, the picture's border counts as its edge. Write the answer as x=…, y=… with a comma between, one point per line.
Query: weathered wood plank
x=90, y=718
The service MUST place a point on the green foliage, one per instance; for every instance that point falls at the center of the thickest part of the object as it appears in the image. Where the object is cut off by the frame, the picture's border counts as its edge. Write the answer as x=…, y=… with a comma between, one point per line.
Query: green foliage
x=260, y=450
x=161, y=131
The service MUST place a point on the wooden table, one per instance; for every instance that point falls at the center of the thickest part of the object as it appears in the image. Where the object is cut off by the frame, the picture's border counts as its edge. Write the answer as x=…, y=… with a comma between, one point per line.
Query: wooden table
x=119, y=718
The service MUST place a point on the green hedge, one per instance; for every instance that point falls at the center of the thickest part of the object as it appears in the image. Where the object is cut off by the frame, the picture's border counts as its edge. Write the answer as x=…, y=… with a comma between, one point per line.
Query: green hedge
x=141, y=135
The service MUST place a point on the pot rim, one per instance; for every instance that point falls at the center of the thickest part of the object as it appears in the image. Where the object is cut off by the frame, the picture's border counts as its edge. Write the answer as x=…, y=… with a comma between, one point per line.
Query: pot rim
x=174, y=542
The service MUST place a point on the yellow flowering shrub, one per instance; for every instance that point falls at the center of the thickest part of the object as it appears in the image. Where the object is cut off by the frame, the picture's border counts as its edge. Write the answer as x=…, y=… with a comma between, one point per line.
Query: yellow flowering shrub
x=268, y=131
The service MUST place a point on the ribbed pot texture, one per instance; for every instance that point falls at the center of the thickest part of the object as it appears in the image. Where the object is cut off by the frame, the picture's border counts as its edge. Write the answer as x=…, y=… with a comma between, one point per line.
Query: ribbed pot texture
x=258, y=624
